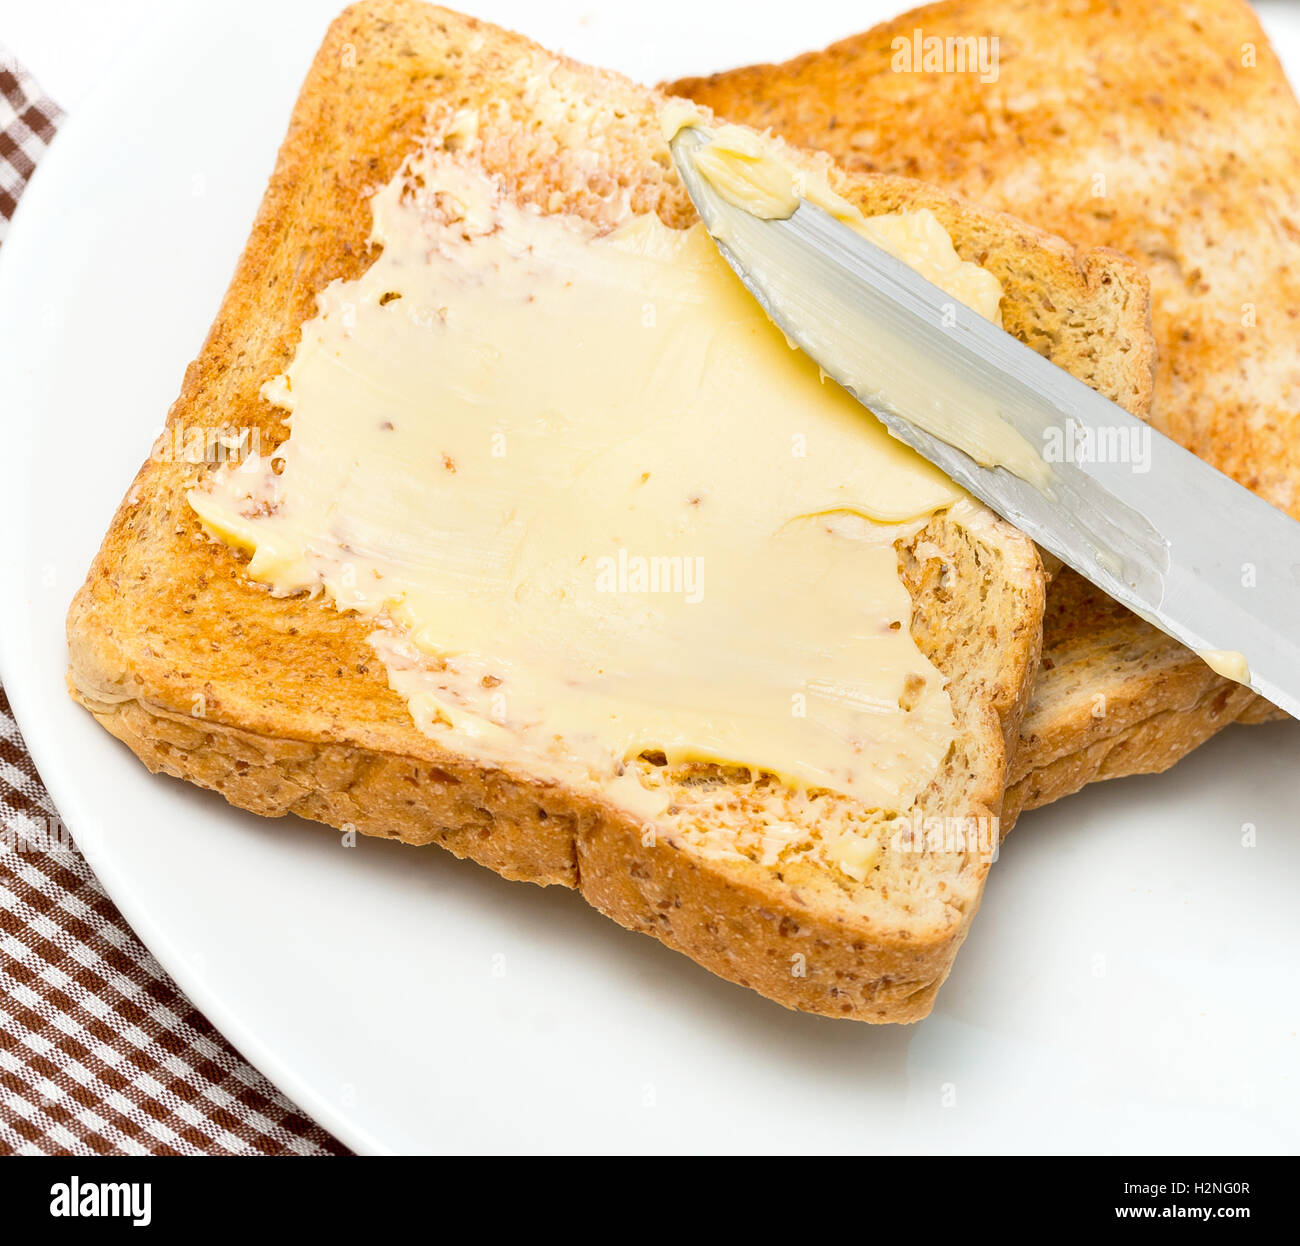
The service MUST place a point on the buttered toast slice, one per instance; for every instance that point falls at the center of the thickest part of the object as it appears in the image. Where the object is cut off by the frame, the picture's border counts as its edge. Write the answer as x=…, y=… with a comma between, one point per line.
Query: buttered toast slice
x=1184, y=161
x=211, y=667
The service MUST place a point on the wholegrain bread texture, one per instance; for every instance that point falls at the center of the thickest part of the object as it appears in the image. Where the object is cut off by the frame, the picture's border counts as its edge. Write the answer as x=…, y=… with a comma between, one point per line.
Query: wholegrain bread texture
x=1080, y=730
x=280, y=703
x=1167, y=131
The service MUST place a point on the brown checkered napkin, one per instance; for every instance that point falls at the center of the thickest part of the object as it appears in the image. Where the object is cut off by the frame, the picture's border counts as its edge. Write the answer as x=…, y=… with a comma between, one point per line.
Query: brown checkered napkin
x=99, y=1050
x=27, y=123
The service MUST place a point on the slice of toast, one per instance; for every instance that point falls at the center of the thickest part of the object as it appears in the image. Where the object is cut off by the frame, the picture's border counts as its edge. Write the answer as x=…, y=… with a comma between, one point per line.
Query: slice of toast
x=1168, y=131
x=280, y=704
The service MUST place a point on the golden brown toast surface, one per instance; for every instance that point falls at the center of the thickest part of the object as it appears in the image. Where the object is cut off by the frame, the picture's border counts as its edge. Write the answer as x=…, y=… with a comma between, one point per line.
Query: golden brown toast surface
x=280, y=703
x=1167, y=131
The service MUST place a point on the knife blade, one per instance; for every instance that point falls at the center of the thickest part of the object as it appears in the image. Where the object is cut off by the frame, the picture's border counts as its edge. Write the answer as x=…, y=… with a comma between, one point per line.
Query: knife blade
x=1161, y=531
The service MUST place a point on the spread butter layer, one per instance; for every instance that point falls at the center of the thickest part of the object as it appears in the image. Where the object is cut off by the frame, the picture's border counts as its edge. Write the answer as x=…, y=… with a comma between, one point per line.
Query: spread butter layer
x=594, y=503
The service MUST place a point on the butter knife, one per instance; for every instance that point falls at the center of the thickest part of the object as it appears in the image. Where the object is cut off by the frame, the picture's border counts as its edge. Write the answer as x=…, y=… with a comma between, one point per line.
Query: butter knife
x=1164, y=533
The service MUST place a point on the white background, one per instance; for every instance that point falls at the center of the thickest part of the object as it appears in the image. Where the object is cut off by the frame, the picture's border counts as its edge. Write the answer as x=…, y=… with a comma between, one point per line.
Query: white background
x=1130, y=984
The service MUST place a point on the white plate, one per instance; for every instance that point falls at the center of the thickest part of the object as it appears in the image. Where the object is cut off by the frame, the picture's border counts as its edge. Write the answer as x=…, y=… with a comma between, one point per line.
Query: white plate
x=1131, y=984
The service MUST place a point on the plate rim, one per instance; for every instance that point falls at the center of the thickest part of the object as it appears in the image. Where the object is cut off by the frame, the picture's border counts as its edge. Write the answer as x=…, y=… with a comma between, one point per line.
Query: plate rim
x=24, y=685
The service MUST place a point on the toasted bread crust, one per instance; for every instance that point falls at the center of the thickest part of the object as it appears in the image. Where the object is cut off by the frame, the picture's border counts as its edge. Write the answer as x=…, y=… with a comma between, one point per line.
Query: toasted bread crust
x=281, y=705
x=1080, y=730
x=1166, y=102
x=739, y=930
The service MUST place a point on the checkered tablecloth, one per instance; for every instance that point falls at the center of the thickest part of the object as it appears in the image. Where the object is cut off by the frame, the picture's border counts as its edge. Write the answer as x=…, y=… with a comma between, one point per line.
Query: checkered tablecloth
x=99, y=1050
